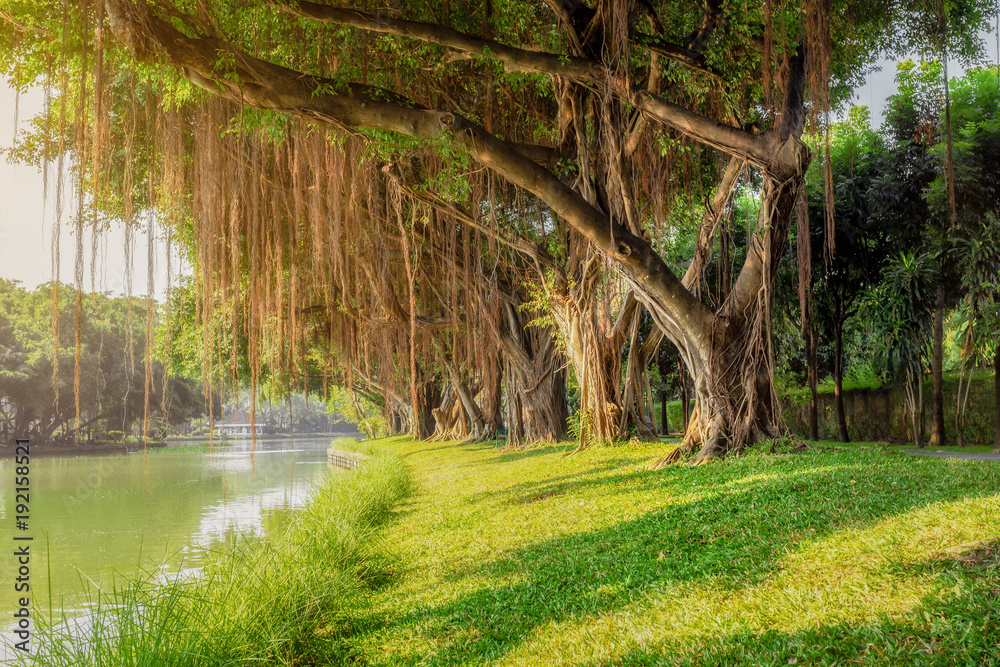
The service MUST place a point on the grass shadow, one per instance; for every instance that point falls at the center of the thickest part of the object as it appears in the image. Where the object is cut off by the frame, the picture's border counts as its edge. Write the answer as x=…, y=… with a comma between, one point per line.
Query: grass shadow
x=520, y=492
x=960, y=628
x=747, y=518
x=513, y=455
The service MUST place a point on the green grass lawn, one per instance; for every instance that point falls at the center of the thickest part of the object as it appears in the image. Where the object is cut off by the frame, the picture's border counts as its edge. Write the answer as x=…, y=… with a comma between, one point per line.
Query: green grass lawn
x=826, y=557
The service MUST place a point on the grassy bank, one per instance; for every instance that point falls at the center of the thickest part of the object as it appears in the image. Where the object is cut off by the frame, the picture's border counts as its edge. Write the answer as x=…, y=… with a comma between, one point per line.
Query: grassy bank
x=281, y=600
x=827, y=557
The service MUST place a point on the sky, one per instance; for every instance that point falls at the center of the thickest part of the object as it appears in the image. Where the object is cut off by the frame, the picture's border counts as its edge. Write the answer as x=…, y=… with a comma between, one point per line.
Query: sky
x=26, y=229
x=26, y=221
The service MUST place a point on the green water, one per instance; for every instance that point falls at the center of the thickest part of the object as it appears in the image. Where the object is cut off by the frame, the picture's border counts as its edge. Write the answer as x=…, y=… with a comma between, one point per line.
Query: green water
x=98, y=515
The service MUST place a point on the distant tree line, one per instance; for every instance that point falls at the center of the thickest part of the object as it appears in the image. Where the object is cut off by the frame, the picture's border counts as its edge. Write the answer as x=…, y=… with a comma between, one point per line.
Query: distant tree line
x=905, y=252
x=38, y=370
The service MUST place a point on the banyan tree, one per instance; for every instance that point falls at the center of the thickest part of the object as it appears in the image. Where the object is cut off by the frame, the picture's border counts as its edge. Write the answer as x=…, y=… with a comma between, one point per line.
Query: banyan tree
x=449, y=190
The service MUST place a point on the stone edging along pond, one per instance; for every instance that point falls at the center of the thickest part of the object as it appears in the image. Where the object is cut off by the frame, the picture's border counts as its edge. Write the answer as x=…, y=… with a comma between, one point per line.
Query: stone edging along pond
x=337, y=458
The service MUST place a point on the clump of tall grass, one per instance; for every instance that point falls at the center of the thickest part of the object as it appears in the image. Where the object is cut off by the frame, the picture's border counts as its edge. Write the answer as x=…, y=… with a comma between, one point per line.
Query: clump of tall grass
x=285, y=599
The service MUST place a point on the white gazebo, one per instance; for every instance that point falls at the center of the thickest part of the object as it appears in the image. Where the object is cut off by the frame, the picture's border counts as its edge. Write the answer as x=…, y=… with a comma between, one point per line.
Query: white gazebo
x=238, y=424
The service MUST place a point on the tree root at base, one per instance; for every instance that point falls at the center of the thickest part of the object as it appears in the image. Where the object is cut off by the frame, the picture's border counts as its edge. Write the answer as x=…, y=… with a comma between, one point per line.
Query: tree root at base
x=778, y=446
x=676, y=455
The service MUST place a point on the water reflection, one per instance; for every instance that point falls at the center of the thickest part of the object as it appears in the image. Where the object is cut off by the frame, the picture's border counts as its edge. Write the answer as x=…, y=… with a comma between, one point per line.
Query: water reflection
x=101, y=516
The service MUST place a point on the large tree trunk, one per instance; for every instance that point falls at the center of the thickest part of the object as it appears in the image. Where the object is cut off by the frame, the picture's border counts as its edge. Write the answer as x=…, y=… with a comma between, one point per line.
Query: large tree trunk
x=664, y=425
x=534, y=379
x=730, y=357
x=473, y=419
x=594, y=348
x=395, y=422
x=735, y=402
x=449, y=422
x=429, y=398
x=732, y=377
x=537, y=408
x=458, y=416
x=938, y=436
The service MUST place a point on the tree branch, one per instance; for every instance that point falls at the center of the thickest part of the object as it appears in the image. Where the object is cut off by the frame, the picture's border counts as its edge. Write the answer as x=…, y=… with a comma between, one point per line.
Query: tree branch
x=629, y=310
x=697, y=42
x=757, y=148
x=674, y=52
x=572, y=67
x=782, y=185
x=378, y=386
x=268, y=86
x=710, y=223
x=711, y=22
x=546, y=156
x=19, y=26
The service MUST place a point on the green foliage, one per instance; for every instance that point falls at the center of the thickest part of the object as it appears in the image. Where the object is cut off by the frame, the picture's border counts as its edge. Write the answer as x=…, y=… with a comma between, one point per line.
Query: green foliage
x=358, y=410
x=864, y=239
x=975, y=121
x=112, y=366
x=981, y=281
x=900, y=311
x=746, y=206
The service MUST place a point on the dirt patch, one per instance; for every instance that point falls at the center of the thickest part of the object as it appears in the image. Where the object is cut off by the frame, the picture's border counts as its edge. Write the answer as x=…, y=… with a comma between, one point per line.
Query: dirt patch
x=788, y=445
x=539, y=498
x=980, y=553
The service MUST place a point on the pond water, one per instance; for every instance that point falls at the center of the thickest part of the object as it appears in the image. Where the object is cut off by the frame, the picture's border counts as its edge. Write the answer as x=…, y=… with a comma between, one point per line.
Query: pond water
x=94, y=516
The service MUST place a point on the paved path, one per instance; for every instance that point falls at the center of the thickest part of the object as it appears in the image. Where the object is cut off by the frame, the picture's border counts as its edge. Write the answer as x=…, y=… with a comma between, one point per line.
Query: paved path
x=954, y=455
